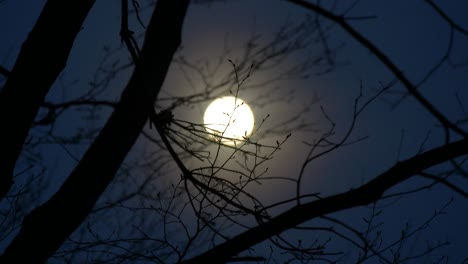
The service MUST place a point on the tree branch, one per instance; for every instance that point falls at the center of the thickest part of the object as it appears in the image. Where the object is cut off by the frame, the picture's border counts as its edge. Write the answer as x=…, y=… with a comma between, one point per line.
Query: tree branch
x=444, y=182
x=47, y=227
x=4, y=71
x=412, y=89
x=366, y=194
x=447, y=18
x=42, y=57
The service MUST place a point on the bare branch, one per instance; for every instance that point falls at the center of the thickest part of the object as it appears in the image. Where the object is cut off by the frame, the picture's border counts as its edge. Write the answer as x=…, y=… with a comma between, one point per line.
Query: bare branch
x=4, y=71
x=29, y=81
x=444, y=182
x=366, y=194
x=63, y=213
x=412, y=89
x=447, y=18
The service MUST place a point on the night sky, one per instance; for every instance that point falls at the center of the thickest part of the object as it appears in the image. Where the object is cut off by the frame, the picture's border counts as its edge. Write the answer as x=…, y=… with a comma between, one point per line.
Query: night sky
x=391, y=129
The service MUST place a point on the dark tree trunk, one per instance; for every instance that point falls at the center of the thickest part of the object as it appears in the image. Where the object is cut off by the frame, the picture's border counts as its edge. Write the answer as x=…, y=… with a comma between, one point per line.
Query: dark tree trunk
x=47, y=227
x=42, y=57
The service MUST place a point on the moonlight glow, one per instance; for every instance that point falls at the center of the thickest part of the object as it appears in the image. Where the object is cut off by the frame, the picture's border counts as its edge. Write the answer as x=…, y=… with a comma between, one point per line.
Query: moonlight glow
x=229, y=117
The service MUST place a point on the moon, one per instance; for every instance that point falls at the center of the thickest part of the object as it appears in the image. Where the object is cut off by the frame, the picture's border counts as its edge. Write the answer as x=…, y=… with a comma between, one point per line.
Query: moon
x=229, y=118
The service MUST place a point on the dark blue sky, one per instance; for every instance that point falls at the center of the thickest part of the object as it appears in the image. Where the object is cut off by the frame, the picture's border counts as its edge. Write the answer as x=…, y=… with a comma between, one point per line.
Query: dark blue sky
x=409, y=32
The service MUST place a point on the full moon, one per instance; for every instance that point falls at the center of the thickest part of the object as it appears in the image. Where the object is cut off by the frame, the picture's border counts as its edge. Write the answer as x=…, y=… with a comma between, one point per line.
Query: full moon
x=230, y=118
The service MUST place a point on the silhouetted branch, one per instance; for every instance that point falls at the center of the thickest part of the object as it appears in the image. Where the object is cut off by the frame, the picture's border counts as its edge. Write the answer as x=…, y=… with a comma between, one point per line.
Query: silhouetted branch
x=29, y=81
x=325, y=142
x=212, y=202
x=55, y=109
x=366, y=194
x=412, y=89
x=63, y=213
x=444, y=182
x=447, y=18
x=127, y=35
x=4, y=71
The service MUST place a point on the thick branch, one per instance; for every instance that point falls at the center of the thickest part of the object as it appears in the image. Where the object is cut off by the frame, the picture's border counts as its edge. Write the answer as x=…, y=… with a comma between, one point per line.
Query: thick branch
x=4, y=71
x=42, y=57
x=366, y=194
x=46, y=228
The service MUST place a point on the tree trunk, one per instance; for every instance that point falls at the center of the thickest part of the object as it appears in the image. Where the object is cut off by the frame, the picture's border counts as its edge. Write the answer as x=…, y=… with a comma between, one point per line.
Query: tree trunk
x=42, y=57
x=47, y=227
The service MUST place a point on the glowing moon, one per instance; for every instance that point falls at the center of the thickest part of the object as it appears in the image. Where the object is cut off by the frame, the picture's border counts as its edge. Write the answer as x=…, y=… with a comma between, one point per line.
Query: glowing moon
x=229, y=117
